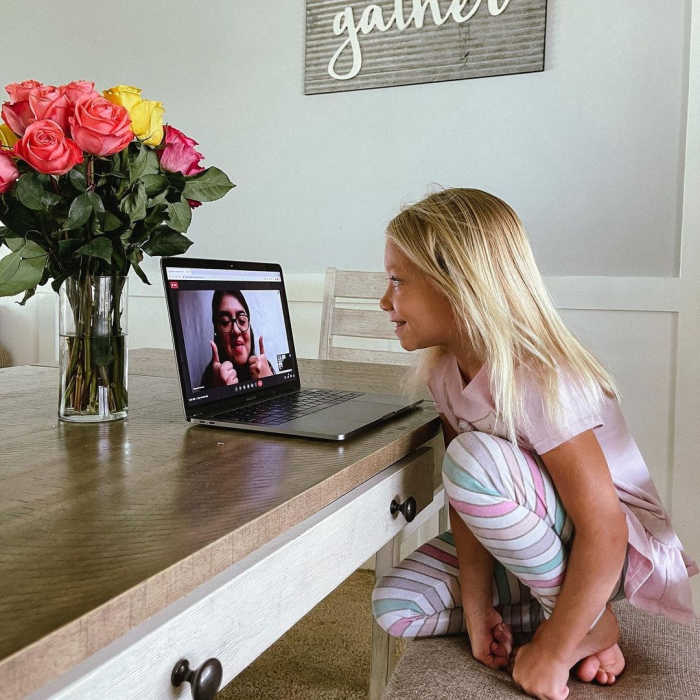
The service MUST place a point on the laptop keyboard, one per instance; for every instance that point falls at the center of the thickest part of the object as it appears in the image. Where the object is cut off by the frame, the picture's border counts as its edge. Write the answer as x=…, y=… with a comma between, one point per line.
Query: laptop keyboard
x=285, y=408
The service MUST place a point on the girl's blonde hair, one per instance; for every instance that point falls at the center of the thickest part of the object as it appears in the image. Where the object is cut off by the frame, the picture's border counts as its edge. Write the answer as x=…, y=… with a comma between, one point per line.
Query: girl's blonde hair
x=473, y=247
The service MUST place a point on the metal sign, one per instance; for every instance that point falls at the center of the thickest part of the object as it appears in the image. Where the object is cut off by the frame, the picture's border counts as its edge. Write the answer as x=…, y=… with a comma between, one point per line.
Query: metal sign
x=353, y=45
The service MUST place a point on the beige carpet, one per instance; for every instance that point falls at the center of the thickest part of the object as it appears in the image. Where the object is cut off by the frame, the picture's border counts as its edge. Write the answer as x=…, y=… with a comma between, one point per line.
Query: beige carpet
x=326, y=655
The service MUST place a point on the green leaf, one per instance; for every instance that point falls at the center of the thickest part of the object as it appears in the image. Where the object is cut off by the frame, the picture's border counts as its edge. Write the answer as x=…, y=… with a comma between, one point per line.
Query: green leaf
x=177, y=182
x=137, y=162
x=155, y=184
x=19, y=219
x=135, y=257
x=156, y=216
x=165, y=241
x=67, y=247
x=119, y=257
x=19, y=273
x=30, y=191
x=207, y=186
x=134, y=204
x=97, y=206
x=152, y=162
x=77, y=179
x=79, y=213
x=28, y=249
x=100, y=247
x=111, y=222
x=50, y=199
x=179, y=216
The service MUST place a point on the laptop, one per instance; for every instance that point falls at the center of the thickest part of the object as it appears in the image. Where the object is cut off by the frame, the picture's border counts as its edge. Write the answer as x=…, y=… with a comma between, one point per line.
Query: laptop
x=236, y=360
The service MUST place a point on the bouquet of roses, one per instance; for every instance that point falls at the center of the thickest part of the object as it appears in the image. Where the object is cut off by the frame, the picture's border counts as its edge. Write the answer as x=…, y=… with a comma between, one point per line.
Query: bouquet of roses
x=88, y=184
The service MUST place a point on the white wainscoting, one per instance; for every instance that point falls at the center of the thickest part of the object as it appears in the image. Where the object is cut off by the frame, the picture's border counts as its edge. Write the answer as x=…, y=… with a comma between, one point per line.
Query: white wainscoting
x=631, y=324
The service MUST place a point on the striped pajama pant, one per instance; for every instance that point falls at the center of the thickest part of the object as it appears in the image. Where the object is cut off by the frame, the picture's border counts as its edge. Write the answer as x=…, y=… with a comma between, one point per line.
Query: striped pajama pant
x=507, y=499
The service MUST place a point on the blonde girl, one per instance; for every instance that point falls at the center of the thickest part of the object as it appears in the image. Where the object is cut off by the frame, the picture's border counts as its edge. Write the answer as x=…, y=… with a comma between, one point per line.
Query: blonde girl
x=552, y=508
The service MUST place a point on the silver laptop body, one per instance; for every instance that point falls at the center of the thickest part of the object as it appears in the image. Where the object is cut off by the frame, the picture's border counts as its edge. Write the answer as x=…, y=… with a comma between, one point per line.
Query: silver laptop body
x=257, y=293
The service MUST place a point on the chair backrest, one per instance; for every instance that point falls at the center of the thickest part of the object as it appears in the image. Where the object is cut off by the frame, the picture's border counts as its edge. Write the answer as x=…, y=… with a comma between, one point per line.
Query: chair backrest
x=353, y=328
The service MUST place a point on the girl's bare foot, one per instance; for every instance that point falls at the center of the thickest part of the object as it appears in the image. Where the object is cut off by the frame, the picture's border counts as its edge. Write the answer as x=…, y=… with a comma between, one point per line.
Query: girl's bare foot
x=604, y=666
x=491, y=639
x=601, y=658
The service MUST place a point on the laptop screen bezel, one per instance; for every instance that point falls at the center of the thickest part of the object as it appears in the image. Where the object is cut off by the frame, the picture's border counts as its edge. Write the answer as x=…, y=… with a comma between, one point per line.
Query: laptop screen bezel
x=215, y=405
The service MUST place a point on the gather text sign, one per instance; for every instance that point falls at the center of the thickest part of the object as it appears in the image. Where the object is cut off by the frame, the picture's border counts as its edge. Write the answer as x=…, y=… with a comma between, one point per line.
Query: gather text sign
x=352, y=45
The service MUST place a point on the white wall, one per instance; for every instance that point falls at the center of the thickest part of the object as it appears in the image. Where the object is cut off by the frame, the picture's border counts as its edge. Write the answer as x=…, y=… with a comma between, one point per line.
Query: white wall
x=589, y=151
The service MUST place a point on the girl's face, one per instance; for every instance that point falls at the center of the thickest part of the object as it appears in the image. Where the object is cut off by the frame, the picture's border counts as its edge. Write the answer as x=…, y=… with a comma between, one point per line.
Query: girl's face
x=422, y=315
x=234, y=342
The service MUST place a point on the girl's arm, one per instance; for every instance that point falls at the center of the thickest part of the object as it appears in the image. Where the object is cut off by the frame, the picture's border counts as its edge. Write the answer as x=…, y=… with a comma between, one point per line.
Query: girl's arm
x=475, y=566
x=582, y=479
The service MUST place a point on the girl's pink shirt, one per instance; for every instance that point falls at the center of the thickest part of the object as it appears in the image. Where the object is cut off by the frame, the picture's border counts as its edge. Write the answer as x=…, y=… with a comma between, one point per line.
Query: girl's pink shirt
x=658, y=570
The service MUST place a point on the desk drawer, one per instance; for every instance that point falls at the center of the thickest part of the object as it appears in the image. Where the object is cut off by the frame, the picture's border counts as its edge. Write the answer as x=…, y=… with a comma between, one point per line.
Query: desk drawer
x=240, y=612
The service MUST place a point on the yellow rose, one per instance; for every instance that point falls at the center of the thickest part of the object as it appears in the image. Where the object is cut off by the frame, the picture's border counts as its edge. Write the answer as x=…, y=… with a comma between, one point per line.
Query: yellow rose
x=147, y=121
x=7, y=136
x=124, y=95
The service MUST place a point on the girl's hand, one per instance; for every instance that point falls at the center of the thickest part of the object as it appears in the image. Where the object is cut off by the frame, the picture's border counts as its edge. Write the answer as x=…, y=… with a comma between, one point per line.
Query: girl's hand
x=539, y=673
x=490, y=638
x=258, y=364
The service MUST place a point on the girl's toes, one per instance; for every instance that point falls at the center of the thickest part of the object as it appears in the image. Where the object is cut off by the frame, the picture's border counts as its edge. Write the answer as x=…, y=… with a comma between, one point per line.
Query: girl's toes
x=588, y=669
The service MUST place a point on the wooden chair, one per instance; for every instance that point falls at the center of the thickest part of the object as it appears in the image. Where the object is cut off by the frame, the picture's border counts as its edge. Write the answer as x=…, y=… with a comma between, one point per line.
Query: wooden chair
x=354, y=329
x=351, y=311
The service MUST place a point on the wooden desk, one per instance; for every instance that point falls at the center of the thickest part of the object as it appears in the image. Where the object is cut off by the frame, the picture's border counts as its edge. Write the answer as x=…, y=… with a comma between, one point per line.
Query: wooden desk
x=110, y=532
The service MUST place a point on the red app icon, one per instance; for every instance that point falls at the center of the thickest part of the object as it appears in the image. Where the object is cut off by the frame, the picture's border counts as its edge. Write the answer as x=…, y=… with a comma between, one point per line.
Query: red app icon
x=174, y=285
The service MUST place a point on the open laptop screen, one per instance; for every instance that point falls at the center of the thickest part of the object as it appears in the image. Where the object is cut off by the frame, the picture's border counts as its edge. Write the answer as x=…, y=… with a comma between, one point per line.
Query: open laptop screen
x=230, y=328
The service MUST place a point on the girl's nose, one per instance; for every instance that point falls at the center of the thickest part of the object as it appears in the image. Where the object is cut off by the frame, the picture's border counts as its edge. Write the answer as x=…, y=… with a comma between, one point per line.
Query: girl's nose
x=384, y=303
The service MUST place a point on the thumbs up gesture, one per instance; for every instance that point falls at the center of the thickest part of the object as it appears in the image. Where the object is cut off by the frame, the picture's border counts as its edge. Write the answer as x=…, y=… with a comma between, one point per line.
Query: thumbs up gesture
x=258, y=364
x=223, y=372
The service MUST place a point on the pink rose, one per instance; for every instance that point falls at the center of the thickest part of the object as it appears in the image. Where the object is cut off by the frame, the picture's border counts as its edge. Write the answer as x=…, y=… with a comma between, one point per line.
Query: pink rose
x=8, y=172
x=19, y=92
x=45, y=147
x=17, y=116
x=100, y=127
x=77, y=89
x=179, y=154
x=17, y=113
x=49, y=102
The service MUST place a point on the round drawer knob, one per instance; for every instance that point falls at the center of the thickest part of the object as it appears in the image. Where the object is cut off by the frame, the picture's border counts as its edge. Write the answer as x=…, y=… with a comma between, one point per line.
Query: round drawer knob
x=408, y=508
x=205, y=680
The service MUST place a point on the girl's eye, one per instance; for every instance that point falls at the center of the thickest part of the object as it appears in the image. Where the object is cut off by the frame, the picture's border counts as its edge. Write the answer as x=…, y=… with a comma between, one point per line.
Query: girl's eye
x=394, y=282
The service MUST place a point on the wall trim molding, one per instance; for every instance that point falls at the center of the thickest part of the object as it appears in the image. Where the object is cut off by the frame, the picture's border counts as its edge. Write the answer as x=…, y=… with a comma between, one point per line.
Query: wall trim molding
x=598, y=293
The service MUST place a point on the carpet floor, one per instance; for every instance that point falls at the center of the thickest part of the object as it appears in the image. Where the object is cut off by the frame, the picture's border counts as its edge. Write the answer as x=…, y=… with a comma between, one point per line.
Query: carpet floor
x=326, y=655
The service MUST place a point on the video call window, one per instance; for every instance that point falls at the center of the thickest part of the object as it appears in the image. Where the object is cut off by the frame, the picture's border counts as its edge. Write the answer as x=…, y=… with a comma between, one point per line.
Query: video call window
x=233, y=336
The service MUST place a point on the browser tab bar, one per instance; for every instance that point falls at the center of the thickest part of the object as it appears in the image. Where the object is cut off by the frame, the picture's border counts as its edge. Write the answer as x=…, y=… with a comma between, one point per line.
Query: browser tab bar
x=217, y=274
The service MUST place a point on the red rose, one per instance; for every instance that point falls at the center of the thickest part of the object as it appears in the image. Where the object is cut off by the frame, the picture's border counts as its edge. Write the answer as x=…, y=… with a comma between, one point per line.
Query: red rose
x=77, y=89
x=45, y=147
x=17, y=113
x=8, y=172
x=49, y=102
x=100, y=127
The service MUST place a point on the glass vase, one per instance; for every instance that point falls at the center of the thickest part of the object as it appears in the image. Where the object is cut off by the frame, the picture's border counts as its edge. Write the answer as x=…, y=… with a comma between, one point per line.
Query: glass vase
x=92, y=348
